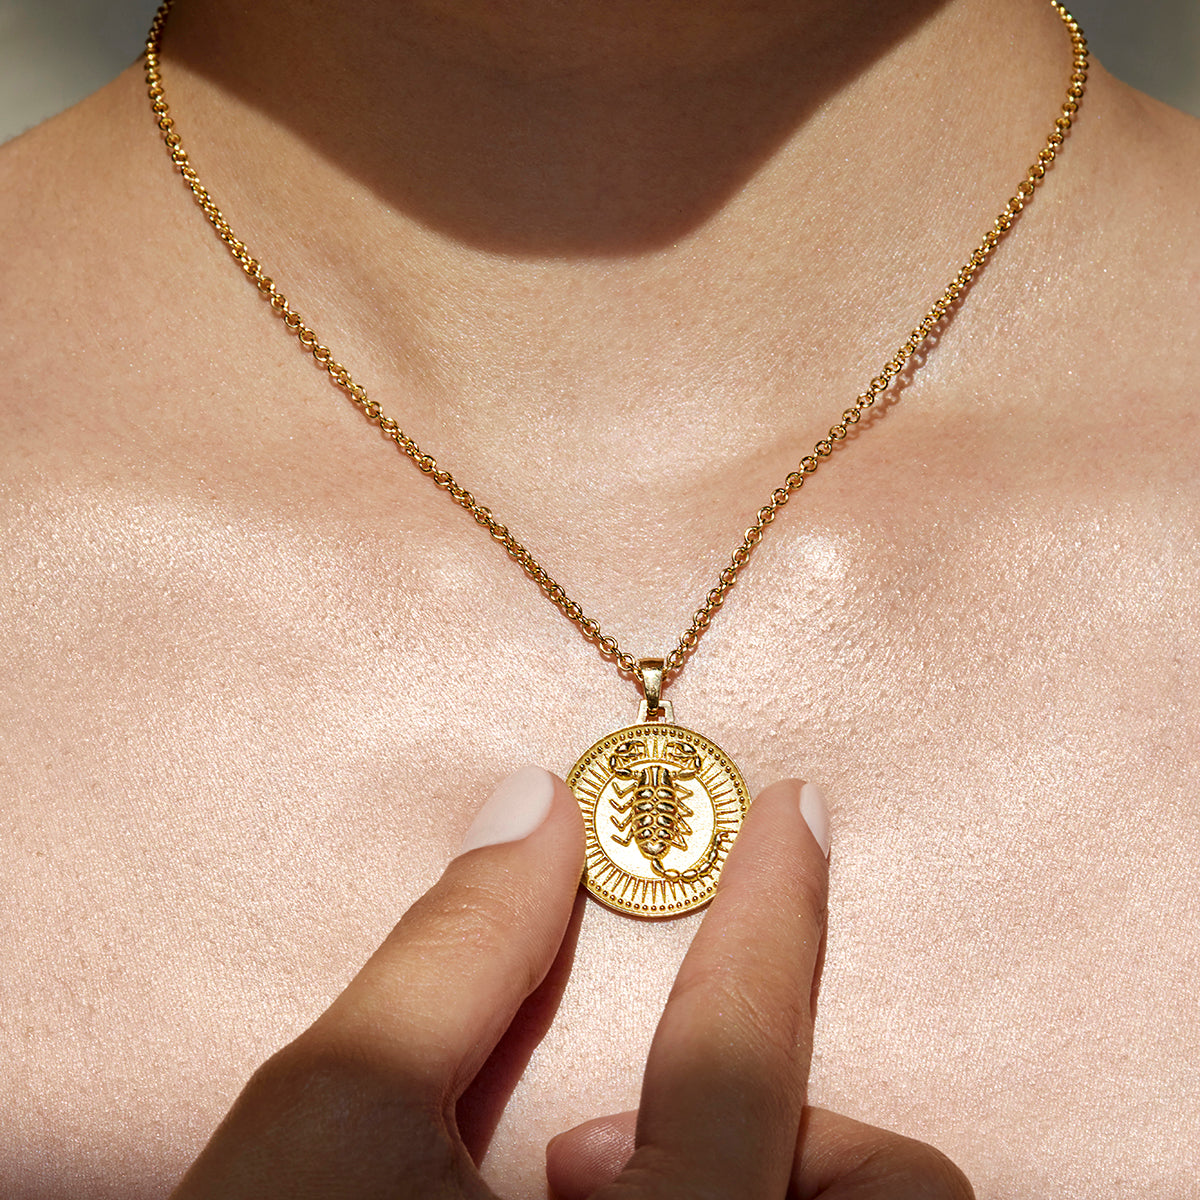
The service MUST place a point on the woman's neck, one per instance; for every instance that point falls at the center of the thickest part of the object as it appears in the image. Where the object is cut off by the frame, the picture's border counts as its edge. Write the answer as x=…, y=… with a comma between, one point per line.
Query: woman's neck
x=539, y=182
x=547, y=128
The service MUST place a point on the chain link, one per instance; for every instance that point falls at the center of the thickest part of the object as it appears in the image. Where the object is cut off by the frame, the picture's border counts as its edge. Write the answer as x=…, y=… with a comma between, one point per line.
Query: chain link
x=608, y=645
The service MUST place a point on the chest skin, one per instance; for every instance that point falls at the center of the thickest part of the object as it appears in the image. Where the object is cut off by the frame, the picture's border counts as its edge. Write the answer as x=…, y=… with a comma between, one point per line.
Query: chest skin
x=246, y=742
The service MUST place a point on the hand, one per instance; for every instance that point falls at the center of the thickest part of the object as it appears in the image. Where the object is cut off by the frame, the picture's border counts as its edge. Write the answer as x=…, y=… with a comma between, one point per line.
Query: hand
x=722, y=1109
x=363, y=1104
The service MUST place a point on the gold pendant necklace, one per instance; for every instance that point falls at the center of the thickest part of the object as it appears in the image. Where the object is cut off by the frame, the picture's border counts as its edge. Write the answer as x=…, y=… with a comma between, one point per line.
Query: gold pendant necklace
x=661, y=803
x=661, y=807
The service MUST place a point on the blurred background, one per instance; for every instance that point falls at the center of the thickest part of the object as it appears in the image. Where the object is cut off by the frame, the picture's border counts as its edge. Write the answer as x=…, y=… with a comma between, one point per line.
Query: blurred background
x=54, y=52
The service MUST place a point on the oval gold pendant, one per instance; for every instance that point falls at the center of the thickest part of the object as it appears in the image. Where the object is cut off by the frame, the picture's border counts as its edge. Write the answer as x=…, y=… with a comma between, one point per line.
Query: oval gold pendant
x=661, y=806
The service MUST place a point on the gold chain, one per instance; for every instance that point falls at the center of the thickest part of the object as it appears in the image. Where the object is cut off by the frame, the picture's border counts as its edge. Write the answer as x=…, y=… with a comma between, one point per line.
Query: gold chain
x=807, y=465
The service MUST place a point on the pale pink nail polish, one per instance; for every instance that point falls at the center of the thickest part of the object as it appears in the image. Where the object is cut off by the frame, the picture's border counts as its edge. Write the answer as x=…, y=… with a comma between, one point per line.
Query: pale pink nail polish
x=513, y=811
x=815, y=812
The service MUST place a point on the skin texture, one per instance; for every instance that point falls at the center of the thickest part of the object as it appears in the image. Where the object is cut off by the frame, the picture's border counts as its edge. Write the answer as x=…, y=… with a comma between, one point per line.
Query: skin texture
x=259, y=672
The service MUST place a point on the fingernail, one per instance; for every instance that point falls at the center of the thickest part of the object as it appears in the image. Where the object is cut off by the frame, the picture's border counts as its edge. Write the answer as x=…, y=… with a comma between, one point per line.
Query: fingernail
x=513, y=811
x=815, y=812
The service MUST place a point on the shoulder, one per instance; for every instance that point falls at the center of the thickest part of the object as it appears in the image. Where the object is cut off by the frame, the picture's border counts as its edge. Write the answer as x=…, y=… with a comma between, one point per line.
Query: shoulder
x=1139, y=212
x=74, y=218
x=70, y=183
x=100, y=323
x=1111, y=292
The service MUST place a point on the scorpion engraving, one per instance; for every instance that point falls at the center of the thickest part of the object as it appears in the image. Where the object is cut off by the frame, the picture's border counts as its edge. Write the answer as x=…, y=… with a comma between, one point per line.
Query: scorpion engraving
x=656, y=810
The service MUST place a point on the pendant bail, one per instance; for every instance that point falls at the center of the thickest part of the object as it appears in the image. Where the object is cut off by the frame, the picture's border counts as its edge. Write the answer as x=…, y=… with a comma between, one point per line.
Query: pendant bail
x=654, y=707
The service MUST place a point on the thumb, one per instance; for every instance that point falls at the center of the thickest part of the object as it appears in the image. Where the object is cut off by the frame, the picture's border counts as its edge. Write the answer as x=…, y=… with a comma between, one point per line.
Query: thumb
x=841, y=1159
x=836, y=1159
x=582, y=1160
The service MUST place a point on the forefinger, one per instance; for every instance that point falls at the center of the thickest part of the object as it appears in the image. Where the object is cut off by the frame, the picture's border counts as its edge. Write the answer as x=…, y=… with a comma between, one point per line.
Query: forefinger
x=437, y=995
x=726, y=1076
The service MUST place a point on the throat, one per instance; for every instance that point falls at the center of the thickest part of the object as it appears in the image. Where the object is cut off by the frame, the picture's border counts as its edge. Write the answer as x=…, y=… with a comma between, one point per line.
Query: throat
x=542, y=129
